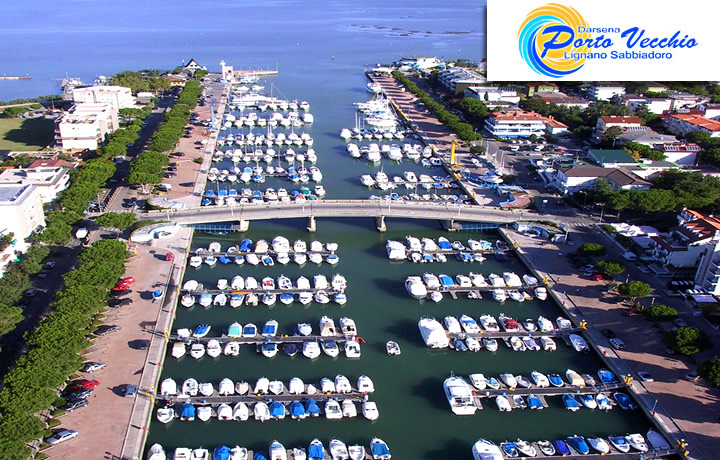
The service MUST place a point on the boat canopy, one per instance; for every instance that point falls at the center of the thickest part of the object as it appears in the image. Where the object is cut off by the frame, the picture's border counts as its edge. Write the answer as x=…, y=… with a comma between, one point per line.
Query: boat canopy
x=316, y=451
x=297, y=410
x=446, y=280
x=221, y=453
x=380, y=449
x=187, y=411
x=311, y=407
x=246, y=245
x=277, y=409
x=444, y=244
x=259, y=456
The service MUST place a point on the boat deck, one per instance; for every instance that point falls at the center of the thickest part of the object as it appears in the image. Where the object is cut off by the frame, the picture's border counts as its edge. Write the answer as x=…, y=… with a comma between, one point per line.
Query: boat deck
x=279, y=339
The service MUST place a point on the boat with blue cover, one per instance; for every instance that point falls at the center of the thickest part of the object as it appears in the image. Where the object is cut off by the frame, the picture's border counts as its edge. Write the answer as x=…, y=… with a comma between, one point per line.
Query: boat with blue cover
x=555, y=380
x=277, y=410
x=205, y=300
x=534, y=402
x=379, y=449
x=270, y=328
x=561, y=448
x=510, y=449
x=579, y=444
x=619, y=443
x=187, y=413
x=235, y=330
x=606, y=377
x=493, y=383
x=221, y=453
x=201, y=331
x=571, y=403
x=224, y=260
x=316, y=450
x=624, y=401
x=260, y=456
x=311, y=408
x=290, y=349
x=446, y=281
x=459, y=345
x=444, y=244
x=246, y=246
x=249, y=330
x=297, y=411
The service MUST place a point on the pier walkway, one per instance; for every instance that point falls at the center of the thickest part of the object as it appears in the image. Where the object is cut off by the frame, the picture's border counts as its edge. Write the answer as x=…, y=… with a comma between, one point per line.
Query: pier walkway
x=263, y=339
x=216, y=399
x=550, y=391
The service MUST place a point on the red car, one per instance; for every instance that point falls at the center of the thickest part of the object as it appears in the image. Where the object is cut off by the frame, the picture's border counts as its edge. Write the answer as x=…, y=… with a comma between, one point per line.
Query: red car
x=121, y=287
x=83, y=385
x=128, y=280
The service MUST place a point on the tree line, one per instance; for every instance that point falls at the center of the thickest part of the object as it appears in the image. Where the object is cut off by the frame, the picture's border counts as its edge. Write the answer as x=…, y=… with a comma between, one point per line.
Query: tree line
x=55, y=347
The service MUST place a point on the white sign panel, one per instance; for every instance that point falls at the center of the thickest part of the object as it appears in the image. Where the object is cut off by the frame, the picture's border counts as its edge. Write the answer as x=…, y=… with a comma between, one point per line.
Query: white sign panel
x=606, y=40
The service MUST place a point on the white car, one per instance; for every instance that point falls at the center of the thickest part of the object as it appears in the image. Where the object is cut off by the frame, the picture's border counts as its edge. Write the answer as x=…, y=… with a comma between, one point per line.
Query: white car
x=643, y=269
x=61, y=436
x=645, y=376
x=617, y=344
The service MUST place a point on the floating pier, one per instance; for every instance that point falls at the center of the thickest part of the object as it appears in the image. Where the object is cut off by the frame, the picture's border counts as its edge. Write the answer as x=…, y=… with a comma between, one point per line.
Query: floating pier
x=550, y=391
x=216, y=399
x=329, y=291
x=560, y=333
x=279, y=339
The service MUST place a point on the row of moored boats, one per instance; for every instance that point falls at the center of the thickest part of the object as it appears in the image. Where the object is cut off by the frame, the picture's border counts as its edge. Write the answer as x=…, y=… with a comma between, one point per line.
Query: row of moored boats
x=503, y=287
x=231, y=197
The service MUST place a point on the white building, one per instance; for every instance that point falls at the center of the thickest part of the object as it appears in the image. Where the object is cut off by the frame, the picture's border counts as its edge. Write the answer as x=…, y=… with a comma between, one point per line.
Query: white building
x=515, y=124
x=85, y=126
x=711, y=110
x=491, y=93
x=49, y=181
x=656, y=106
x=683, y=123
x=21, y=213
x=579, y=178
x=605, y=91
x=119, y=97
x=682, y=153
x=421, y=62
x=458, y=79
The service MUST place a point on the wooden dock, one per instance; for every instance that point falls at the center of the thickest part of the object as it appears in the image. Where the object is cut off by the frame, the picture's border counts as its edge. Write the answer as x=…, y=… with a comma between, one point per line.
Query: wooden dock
x=279, y=339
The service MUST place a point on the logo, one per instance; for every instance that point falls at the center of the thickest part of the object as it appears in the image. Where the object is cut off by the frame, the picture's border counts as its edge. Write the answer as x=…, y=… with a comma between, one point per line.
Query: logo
x=547, y=34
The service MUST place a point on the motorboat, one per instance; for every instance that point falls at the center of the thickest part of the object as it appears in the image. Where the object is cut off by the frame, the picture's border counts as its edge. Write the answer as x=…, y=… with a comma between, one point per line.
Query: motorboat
x=239, y=453
x=469, y=325
x=624, y=401
x=589, y=380
x=178, y=350
x=322, y=297
x=508, y=324
x=436, y=296
x=200, y=453
x=539, y=379
x=457, y=344
x=262, y=386
x=478, y=381
x=516, y=295
x=165, y=414
x=578, y=444
x=548, y=344
x=187, y=300
x=304, y=329
x=503, y=403
x=242, y=387
x=261, y=411
x=493, y=383
x=512, y=280
x=499, y=295
x=370, y=410
x=415, y=287
x=472, y=344
x=392, y=348
x=523, y=382
x=338, y=282
x=433, y=333
x=530, y=281
x=222, y=283
x=236, y=299
x=540, y=293
x=525, y=448
x=452, y=325
x=352, y=349
x=529, y=325
x=201, y=331
x=204, y=413
x=535, y=403
x=556, y=380
x=311, y=349
x=578, y=343
x=340, y=298
x=563, y=323
x=570, y=402
x=338, y=450
x=356, y=452
x=249, y=330
x=276, y=387
x=277, y=410
x=530, y=343
x=478, y=280
x=574, y=378
x=220, y=299
x=333, y=411
x=588, y=401
x=330, y=348
x=509, y=380
x=187, y=412
x=206, y=389
x=268, y=349
x=327, y=327
x=486, y=450
x=213, y=348
x=297, y=411
x=235, y=330
x=496, y=281
x=544, y=324
x=546, y=447
x=490, y=345
x=599, y=445
x=284, y=283
x=379, y=449
x=603, y=402
x=510, y=449
x=606, y=377
x=296, y=386
x=224, y=412
x=656, y=440
x=620, y=443
x=197, y=350
x=316, y=450
x=459, y=395
x=277, y=451
x=270, y=328
x=489, y=323
x=347, y=326
x=168, y=387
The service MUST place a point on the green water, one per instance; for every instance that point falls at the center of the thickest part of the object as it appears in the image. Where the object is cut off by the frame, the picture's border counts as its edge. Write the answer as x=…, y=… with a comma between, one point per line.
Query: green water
x=415, y=419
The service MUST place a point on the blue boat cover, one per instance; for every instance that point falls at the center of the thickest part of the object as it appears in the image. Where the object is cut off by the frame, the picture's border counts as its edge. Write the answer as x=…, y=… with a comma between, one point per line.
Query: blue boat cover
x=269, y=329
x=578, y=443
x=259, y=456
x=311, y=407
x=459, y=345
x=224, y=260
x=379, y=449
x=561, y=448
x=534, y=402
x=446, y=280
x=222, y=192
x=297, y=410
x=510, y=448
x=606, y=376
x=232, y=192
x=210, y=193
x=205, y=296
x=277, y=409
x=555, y=379
x=221, y=453
x=316, y=451
x=157, y=294
x=188, y=410
x=444, y=245
x=570, y=401
x=285, y=296
x=624, y=401
x=245, y=245
x=247, y=169
x=205, y=202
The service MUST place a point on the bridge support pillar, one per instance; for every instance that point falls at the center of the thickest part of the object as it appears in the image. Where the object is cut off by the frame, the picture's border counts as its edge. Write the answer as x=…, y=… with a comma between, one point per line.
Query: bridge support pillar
x=312, y=225
x=380, y=224
x=243, y=225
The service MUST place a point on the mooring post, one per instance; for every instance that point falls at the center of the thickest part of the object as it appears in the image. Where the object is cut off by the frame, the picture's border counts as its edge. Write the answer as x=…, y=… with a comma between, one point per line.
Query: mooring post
x=312, y=225
x=380, y=224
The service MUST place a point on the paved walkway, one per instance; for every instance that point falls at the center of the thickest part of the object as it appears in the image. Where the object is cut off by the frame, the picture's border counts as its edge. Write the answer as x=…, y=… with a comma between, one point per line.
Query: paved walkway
x=693, y=407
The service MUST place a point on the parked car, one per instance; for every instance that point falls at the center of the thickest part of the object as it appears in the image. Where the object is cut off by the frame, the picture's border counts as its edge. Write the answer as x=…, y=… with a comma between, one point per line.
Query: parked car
x=170, y=174
x=80, y=394
x=643, y=269
x=61, y=436
x=680, y=323
x=93, y=366
x=83, y=385
x=617, y=343
x=692, y=376
x=178, y=154
x=120, y=287
x=50, y=264
x=142, y=344
x=129, y=391
x=76, y=404
x=115, y=303
x=106, y=329
x=609, y=333
x=120, y=293
x=32, y=292
x=645, y=376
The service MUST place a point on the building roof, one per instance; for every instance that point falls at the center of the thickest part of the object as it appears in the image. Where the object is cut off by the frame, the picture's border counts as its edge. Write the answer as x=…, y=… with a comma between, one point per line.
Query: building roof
x=618, y=156
x=619, y=119
x=9, y=193
x=619, y=176
x=696, y=120
x=51, y=163
x=517, y=115
x=553, y=123
x=675, y=147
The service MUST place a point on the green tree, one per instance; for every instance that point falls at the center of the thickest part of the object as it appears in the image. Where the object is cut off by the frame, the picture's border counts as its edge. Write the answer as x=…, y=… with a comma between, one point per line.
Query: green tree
x=609, y=267
x=13, y=284
x=634, y=290
x=33, y=258
x=592, y=249
x=686, y=340
x=660, y=312
x=10, y=315
x=611, y=134
x=199, y=73
x=710, y=371
x=116, y=220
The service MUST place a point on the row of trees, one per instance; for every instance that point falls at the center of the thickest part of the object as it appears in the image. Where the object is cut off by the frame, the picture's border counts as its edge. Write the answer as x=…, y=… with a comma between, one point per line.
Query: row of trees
x=14, y=284
x=12, y=112
x=464, y=131
x=144, y=80
x=119, y=140
x=55, y=345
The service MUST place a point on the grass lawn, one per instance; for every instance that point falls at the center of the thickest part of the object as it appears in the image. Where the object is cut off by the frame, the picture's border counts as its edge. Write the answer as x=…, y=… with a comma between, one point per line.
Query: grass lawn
x=20, y=134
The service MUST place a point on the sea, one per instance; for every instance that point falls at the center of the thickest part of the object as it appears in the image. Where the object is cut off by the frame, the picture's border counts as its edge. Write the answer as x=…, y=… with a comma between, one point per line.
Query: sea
x=321, y=50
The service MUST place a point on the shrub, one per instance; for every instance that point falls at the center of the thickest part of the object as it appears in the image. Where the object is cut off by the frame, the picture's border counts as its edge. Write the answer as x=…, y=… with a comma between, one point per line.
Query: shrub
x=610, y=267
x=710, y=371
x=661, y=313
x=634, y=289
x=592, y=249
x=686, y=340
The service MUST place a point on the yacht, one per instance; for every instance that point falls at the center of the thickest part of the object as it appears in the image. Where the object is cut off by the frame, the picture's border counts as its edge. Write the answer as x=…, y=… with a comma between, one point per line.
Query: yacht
x=512, y=279
x=496, y=280
x=459, y=395
x=433, y=333
x=478, y=280
x=486, y=450
x=347, y=326
x=469, y=325
x=489, y=323
x=452, y=325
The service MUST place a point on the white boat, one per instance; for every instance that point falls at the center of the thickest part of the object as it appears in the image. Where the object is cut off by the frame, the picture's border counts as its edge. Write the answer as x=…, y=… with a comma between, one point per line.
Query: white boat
x=548, y=344
x=206, y=389
x=619, y=443
x=477, y=279
x=574, y=378
x=222, y=283
x=472, y=343
x=178, y=350
x=459, y=395
x=204, y=413
x=563, y=323
x=296, y=386
x=515, y=295
x=224, y=412
x=327, y=327
x=415, y=287
x=333, y=411
x=603, y=402
x=277, y=451
x=452, y=325
x=261, y=386
x=356, y=452
x=330, y=348
x=190, y=387
x=241, y=412
x=261, y=412
x=339, y=283
x=347, y=326
x=599, y=445
x=213, y=348
x=187, y=300
x=499, y=295
x=496, y=280
x=197, y=350
x=220, y=299
x=431, y=281
x=490, y=345
x=578, y=343
x=338, y=450
x=433, y=333
x=352, y=349
x=486, y=450
x=348, y=408
x=237, y=283
x=311, y=349
x=436, y=296
x=544, y=324
x=509, y=380
x=320, y=282
x=370, y=410
x=637, y=442
x=540, y=293
x=503, y=403
x=539, y=379
x=168, y=387
x=530, y=281
x=165, y=414
x=195, y=261
x=489, y=323
x=226, y=387
x=392, y=348
x=512, y=279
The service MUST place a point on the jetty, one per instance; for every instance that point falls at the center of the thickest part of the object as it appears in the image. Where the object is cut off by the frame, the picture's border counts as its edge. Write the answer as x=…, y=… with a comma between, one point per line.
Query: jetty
x=522, y=332
x=257, y=340
x=550, y=391
x=216, y=399
x=329, y=291
x=11, y=77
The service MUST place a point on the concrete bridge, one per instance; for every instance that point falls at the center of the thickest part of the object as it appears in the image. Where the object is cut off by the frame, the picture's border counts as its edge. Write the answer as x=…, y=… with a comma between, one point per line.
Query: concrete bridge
x=379, y=210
